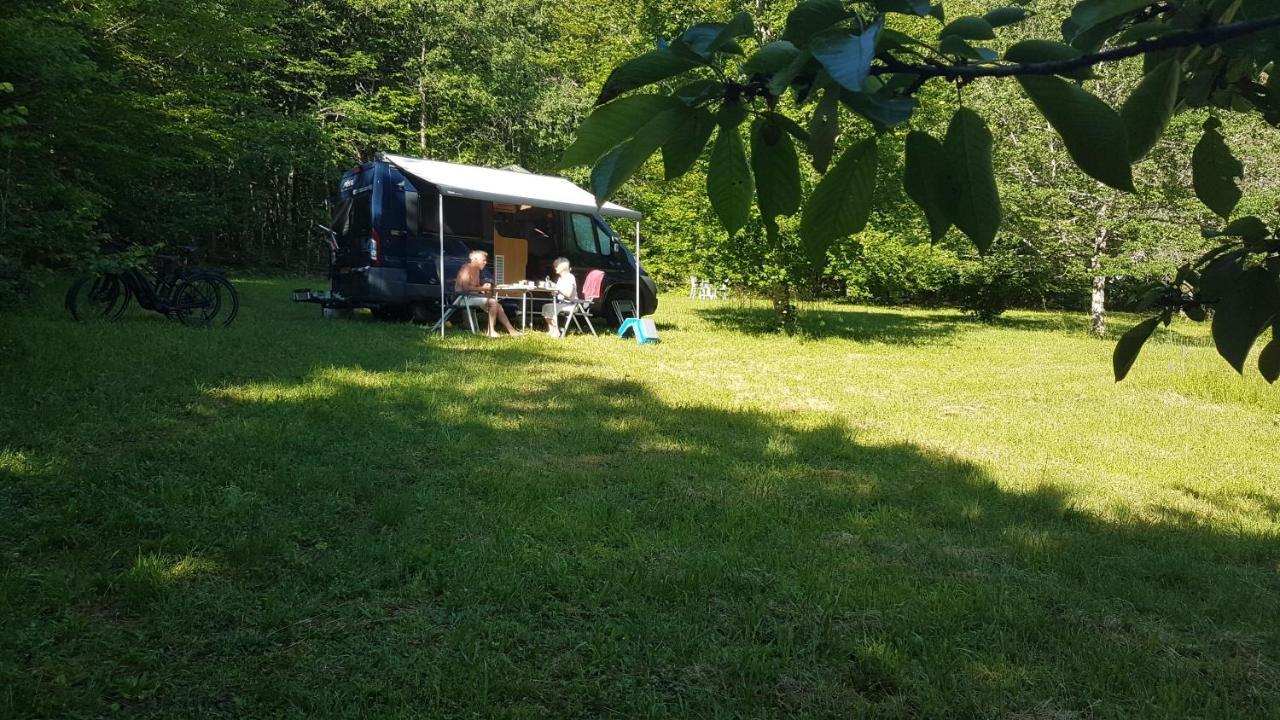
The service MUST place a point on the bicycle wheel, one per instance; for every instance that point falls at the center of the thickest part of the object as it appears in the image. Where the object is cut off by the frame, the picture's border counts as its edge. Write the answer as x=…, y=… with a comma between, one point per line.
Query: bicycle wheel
x=98, y=297
x=205, y=300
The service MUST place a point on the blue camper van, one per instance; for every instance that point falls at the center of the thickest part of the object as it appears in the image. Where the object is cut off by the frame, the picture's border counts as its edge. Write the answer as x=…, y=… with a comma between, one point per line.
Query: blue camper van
x=385, y=245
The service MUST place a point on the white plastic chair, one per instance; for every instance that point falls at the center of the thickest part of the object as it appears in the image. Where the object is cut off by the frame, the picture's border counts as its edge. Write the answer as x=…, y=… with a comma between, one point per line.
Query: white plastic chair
x=582, y=306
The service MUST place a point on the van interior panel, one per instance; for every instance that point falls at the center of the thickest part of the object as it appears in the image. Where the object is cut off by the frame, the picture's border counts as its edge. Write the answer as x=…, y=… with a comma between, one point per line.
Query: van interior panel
x=514, y=254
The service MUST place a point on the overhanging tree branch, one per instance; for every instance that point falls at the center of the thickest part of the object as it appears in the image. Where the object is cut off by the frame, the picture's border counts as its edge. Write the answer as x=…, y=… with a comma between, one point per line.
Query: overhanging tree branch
x=1213, y=35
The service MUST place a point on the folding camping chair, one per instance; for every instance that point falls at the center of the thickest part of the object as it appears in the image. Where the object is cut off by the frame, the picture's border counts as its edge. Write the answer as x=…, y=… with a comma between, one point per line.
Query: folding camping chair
x=582, y=307
x=460, y=303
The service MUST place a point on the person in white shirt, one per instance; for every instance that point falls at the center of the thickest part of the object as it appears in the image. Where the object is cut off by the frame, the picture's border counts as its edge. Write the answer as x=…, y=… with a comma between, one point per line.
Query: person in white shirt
x=566, y=296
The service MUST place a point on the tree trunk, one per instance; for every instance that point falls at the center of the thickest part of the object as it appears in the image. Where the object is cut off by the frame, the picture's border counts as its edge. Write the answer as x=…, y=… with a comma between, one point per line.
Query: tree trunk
x=422, y=100
x=1098, y=299
x=784, y=308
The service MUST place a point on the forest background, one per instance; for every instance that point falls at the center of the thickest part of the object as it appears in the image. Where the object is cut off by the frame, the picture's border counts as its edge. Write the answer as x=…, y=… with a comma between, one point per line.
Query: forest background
x=226, y=125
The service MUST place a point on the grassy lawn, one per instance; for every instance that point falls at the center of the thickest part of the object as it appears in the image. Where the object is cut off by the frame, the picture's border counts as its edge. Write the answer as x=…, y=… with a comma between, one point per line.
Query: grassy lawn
x=899, y=514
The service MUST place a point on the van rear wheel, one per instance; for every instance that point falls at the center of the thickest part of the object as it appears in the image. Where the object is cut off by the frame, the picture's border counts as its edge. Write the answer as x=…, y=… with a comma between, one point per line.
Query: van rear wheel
x=393, y=313
x=424, y=313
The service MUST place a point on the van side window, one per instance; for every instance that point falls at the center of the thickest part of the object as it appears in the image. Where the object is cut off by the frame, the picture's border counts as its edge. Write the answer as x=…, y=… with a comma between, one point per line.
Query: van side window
x=606, y=241
x=461, y=216
x=584, y=234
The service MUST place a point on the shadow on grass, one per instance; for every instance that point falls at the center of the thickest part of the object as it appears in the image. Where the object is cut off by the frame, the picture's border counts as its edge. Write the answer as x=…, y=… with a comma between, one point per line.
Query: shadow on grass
x=461, y=528
x=916, y=327
x=859, y=325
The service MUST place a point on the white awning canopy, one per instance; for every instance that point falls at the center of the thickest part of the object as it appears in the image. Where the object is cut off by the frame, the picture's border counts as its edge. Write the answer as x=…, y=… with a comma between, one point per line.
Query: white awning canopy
x=478, y=183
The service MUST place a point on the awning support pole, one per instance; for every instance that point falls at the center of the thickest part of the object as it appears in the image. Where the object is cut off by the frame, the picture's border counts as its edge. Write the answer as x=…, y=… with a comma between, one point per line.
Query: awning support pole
x=638, y=271
x=440, y=195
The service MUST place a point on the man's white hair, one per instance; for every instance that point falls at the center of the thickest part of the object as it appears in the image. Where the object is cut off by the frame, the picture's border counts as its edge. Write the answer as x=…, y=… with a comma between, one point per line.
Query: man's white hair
x=478, y=254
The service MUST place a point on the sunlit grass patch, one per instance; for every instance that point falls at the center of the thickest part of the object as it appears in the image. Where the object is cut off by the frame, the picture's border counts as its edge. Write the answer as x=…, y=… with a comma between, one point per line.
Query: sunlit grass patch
x=151, y=573
x=16, y=463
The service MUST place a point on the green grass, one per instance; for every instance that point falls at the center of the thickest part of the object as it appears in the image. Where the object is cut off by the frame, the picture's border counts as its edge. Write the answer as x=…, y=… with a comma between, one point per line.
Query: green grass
x=898, y=514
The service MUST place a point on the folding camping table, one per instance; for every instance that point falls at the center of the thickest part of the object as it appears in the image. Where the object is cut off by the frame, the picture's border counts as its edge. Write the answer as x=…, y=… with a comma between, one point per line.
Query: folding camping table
x=525, y=291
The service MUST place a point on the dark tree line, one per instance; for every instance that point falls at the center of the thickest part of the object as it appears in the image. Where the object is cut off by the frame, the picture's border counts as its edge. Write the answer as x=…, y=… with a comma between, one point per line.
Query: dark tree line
x=225, y=124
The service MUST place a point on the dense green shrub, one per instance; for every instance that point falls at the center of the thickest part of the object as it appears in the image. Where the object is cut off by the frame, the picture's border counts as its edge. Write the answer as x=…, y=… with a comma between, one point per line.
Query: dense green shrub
x=883, y=268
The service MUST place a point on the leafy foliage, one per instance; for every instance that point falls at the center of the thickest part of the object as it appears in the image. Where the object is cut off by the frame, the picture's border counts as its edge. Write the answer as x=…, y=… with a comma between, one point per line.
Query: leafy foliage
x=1197, y=54
x=225, y=124
x=972, y=199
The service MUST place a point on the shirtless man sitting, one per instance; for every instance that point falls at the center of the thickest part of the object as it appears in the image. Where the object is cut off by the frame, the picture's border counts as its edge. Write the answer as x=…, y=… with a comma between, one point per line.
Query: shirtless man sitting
x=469, y=282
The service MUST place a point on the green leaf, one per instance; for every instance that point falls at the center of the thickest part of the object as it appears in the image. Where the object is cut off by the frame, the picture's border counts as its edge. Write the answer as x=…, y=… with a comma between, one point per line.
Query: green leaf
x=609, y=125
x=807, y=90
x=1001, y=17
x=622, y=162
x=644, y=70
x=1130, y=344
x=729, y=183
x=1243, y=314
x=824, y=128
x=906, y=7
x=970, y=27
x=1144, y=31
x=1040, y=51
x=1148, y=110
x=1214, y=171
x=1091, y=14
x=894, y=39
x=783, y=78
x=1220, y=277
x=925, y=181
x=776, y=170
x=791, y=126
x=702, y=40
x=741, y=25
x=770, y=58
x=1250, y=228
x=954, y=45
x=685, y=146
x=1031, y=52
x=972, y=199
x=731, y=114
x=848, y=57
x=1094, y=134
x=841, y=203
x=700, y=91
x=883, y=110
x=1092, y=40
x=1269, y=360
x=898, y=83
x=812, y=17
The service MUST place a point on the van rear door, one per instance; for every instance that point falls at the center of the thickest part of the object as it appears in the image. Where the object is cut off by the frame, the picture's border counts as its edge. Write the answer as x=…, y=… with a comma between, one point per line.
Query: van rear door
x=353, y=224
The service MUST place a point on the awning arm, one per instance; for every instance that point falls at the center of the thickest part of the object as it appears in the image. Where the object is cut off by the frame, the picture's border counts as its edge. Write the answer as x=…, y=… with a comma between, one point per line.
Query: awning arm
x=440, y=196
x=638, y=313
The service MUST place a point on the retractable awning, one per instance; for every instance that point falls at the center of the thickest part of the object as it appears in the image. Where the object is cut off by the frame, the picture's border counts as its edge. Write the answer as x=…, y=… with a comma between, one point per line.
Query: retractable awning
x=478, y=183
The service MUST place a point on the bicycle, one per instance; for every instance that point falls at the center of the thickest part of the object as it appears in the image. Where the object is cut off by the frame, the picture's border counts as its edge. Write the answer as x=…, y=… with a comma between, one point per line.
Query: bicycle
x=194, y=296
